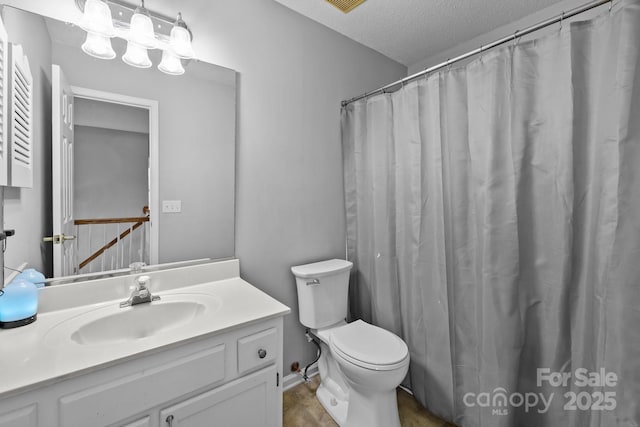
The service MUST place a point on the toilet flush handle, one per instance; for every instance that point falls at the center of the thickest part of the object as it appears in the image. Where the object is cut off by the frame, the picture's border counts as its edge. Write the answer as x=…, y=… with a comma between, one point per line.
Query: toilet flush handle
x=313, y=282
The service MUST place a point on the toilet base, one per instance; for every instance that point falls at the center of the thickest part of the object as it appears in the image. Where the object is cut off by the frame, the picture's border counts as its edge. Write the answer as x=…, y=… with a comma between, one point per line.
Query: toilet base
x=335, y=407
x=379, y=410
x=372, y=410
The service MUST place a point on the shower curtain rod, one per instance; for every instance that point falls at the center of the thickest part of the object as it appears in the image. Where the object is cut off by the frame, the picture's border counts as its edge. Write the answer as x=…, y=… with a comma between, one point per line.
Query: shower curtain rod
x=515, y=36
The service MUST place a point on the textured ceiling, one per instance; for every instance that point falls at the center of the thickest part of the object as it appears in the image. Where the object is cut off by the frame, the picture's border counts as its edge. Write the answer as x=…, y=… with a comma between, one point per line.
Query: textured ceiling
x=412, y=30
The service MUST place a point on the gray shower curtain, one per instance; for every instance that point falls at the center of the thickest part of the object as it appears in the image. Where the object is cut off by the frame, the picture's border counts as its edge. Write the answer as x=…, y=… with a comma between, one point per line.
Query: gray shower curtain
x=493, y=216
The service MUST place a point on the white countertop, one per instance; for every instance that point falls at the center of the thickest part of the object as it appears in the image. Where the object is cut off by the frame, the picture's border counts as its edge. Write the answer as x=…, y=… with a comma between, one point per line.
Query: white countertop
x=29, y=358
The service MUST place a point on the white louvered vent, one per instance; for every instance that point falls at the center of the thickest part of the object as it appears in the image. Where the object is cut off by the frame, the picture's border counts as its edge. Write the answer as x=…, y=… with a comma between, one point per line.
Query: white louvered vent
x=4, y=104
x=21, y=119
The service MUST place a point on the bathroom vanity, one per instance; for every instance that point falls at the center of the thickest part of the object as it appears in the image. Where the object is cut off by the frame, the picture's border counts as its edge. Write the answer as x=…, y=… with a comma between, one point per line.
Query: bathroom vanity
x=209, y=352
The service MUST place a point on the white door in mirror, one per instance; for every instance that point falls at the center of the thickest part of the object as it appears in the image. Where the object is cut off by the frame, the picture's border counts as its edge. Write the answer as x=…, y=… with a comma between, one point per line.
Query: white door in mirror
x=62, y=147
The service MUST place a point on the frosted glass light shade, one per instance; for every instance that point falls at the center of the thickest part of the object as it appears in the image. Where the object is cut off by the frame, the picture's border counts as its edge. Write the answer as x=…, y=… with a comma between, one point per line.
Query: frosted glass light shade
x=180, y=42
x=136, y=56
x=97, y=18
x=170, y=64
x=141, y=30
x=98, y=46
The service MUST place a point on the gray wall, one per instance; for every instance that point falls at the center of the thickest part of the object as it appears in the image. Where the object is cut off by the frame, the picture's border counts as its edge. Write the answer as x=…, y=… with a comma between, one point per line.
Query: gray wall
x=27, y=209
x=290, y=204
x=293, y=74
x=89, y=112
x=110, y=173
x=111, y=157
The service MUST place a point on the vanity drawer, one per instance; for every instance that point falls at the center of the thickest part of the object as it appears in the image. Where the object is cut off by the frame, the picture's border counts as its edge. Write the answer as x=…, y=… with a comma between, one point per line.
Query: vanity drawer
x=257, y=350
x=144, y=422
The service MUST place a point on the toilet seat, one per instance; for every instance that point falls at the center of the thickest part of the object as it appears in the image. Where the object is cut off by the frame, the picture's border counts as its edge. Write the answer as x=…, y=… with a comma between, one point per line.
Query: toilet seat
x=369, y=346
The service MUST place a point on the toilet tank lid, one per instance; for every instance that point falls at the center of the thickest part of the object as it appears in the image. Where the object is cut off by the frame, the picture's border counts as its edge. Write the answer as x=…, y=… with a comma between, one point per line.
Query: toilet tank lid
x=322, y=268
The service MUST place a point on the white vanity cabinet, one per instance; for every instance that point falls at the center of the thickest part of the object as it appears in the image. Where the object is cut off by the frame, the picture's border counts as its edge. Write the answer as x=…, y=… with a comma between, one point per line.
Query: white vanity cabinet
x=226, y=379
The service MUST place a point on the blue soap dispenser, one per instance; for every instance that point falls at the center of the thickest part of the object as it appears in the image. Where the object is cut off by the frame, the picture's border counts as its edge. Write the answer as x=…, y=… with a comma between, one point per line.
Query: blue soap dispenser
x=32, y=275
x=18, y=304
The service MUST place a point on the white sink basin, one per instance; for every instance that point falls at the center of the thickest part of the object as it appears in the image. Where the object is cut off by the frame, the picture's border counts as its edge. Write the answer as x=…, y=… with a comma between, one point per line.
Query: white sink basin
x=112, y=324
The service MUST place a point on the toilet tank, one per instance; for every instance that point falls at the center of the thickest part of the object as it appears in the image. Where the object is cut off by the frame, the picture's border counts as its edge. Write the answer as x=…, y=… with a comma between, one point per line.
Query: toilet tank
x=322, y=292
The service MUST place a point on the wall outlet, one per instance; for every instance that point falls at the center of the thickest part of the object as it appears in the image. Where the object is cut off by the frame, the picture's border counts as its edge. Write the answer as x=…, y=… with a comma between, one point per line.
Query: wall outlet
x=171, y=206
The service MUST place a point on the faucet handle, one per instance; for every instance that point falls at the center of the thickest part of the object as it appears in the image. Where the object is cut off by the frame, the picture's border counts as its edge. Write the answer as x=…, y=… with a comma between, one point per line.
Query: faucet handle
x=142, y=281
x=136, y=267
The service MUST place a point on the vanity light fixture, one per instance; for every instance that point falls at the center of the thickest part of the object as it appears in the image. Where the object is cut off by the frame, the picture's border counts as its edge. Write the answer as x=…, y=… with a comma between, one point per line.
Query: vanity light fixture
x=143, y=30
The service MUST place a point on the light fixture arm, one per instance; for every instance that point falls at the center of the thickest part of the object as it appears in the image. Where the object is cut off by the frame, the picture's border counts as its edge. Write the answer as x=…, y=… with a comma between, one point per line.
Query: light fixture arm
x=142, y=9
x=105, y=19
x=179, y=22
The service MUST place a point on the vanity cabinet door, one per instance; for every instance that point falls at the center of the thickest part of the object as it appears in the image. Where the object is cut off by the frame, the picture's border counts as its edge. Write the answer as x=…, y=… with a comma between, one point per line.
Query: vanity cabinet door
x=23, y=417
x=248, y=401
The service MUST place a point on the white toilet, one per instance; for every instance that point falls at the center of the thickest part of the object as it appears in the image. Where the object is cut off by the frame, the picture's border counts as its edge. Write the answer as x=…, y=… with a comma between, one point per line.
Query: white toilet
x=361, y=365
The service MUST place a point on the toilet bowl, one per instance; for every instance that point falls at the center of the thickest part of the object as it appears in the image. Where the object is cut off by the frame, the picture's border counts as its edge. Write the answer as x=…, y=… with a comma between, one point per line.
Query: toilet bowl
x=361, y=365
x=374, y=362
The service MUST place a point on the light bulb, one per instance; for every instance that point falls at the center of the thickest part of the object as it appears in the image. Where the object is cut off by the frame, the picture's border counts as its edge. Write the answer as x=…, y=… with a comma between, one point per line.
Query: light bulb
x=97, y=18
x=180, y=39
x=170, y=64
x=141, y=29
x=98, y=46
x=136, y=56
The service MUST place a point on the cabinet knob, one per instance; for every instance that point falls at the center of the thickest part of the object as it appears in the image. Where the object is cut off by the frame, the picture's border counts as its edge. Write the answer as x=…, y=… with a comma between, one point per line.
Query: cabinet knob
x=262, y=353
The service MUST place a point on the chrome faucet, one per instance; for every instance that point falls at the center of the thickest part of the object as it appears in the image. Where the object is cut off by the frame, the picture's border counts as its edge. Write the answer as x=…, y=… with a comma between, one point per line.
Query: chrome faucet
x=141, y=294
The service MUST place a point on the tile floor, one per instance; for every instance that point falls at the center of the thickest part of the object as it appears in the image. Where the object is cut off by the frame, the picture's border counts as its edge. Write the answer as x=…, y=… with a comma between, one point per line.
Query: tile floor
x=302, y=409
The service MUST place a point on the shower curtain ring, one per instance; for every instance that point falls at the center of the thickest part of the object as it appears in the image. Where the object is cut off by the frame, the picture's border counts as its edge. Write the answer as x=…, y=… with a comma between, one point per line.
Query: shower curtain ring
x=515, y=39
x=610, y=5
x=561, y=19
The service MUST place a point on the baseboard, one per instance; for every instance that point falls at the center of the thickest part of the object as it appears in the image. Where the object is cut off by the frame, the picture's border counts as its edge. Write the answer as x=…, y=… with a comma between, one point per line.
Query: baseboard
x=295, y=378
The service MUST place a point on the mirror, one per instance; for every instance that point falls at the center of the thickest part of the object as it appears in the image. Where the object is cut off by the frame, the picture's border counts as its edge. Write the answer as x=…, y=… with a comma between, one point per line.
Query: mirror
x=194, y=164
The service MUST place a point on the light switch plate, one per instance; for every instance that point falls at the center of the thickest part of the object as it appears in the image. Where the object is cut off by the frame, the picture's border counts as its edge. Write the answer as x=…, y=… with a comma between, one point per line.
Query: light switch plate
x=171, y=206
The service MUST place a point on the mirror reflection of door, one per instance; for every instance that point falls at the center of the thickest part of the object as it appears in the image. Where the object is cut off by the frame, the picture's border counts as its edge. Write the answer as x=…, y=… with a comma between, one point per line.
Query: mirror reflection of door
x=109, y=187
x=62, y=174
